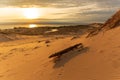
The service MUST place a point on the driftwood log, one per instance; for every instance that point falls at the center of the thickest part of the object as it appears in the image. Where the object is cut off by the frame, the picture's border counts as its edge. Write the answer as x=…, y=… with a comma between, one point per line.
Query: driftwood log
x=60, y=53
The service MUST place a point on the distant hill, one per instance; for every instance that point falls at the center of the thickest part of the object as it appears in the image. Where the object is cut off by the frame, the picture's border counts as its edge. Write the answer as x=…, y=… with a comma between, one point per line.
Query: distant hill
x=96, y=24
x=62, y=30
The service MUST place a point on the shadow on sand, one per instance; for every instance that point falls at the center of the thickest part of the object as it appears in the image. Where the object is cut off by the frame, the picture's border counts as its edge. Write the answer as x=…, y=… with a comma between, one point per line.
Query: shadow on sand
x=68, y=56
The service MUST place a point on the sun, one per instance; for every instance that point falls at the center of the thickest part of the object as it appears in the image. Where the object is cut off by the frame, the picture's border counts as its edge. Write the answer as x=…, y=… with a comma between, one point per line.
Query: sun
x=31, y=13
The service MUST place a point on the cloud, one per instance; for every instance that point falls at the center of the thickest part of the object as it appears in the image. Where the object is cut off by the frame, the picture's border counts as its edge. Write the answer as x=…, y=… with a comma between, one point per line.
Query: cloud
x=71, y=10
x=58, y=3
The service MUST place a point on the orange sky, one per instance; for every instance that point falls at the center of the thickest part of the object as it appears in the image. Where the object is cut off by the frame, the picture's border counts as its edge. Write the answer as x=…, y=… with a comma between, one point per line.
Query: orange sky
x=56, y=11
x=33, y=14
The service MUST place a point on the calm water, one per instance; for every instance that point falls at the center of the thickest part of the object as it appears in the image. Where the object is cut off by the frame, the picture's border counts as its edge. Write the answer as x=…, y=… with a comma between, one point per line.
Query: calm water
x=10, y=26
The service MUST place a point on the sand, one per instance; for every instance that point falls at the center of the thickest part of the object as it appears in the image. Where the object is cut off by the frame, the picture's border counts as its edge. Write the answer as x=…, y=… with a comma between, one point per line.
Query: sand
x=27, y=58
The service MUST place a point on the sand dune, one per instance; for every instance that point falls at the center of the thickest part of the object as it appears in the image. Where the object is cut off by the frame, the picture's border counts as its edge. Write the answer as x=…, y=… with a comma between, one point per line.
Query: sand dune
x=27, y=59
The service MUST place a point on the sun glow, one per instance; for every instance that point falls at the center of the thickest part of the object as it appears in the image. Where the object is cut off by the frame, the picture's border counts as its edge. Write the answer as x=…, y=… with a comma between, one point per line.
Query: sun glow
x=32, y=25
x=31, y=13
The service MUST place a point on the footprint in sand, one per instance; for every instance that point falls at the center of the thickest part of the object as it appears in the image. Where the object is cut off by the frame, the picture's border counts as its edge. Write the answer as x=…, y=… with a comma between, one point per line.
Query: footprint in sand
x=36, y=47
x=59, y=74
x=116, y=63
x=0, y=53
x=6, y=56
x=47, y=41
x=26, y=54
x=13, y=49
x=47, y=45
x=18, y=49
x=10, y=53
x=1, y=76
x=74, y=37
x=101, y=51
x=39, y=41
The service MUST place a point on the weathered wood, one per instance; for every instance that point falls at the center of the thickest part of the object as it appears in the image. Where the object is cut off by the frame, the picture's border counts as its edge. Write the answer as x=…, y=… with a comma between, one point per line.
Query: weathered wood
x=60, y=53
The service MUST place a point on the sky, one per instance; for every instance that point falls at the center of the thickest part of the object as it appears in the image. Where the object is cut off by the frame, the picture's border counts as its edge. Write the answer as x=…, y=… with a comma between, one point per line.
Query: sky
x=57, y=11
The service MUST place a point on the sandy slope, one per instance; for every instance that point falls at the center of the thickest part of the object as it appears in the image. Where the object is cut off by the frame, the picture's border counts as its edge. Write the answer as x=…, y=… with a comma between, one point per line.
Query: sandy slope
x=27, y=59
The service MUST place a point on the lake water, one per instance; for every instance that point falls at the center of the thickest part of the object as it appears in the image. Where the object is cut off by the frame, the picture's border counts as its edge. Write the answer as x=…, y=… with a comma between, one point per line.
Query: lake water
x=10, y=26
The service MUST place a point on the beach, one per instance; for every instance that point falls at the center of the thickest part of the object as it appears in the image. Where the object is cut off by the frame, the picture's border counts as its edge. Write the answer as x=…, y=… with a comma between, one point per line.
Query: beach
x=27, y=57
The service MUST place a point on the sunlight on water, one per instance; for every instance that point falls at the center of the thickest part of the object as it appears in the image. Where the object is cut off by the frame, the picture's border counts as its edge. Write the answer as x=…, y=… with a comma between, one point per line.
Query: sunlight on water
x=11, y=26
x=32, y=25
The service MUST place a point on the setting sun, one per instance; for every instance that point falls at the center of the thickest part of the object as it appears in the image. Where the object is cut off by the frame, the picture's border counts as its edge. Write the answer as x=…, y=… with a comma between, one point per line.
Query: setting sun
x=31, y=13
